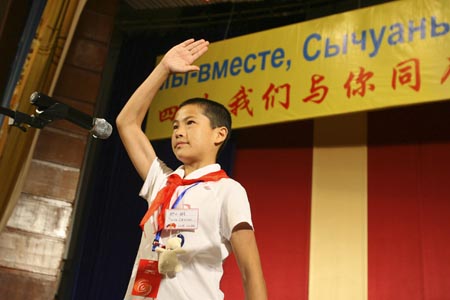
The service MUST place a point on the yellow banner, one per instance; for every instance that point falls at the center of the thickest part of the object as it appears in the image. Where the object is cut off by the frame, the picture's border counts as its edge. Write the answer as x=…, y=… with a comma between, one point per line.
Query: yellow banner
x=382, y=56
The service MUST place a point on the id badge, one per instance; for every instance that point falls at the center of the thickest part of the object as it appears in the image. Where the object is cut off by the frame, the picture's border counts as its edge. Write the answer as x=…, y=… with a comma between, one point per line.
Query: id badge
x=181, y=219
x=147, y=279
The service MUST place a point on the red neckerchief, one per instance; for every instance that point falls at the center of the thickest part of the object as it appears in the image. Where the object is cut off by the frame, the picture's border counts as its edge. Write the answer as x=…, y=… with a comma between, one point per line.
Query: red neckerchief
x=162, y=199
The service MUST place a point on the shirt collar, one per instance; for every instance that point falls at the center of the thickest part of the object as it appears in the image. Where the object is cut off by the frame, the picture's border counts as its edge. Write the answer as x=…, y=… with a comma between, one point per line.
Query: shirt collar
x=197, y=173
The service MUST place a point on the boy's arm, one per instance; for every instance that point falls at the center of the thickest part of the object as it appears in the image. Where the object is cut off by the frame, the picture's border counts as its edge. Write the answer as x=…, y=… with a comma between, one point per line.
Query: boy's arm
x=247, y=256
x=179, y=59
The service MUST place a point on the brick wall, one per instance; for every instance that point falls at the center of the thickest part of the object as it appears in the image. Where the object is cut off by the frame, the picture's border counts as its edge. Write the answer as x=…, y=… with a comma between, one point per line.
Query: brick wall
x=33, y=243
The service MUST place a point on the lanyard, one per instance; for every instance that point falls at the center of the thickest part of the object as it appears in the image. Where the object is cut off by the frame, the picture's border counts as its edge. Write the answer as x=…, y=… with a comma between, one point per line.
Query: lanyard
x=174, y=205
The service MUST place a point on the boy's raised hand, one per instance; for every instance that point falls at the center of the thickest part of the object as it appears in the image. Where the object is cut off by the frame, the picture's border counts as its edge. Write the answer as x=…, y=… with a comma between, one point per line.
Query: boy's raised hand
x=181, y=57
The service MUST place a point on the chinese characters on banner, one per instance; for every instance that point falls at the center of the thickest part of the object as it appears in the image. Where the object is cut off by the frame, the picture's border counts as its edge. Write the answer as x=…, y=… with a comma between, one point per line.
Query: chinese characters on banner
x=406, y=74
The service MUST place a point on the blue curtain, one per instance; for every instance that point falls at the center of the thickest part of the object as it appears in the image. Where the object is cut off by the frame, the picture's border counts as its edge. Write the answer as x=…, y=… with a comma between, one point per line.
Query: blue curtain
x=28, y=34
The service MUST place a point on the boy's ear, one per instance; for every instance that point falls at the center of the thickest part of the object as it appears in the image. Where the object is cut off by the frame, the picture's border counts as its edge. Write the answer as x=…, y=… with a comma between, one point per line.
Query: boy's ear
x=221, y=134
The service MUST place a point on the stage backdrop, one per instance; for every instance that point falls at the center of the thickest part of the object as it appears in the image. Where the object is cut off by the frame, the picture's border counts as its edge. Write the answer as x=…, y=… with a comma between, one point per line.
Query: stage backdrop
x=347, y=212
x=386, y=55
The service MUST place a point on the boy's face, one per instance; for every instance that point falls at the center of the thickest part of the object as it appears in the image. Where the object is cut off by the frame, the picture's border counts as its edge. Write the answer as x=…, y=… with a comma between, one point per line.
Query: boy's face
x=193, y=139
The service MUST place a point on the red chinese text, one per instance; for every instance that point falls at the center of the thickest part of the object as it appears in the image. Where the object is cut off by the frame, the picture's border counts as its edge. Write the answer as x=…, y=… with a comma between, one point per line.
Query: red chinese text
x=318, y=92
x=446, y=74
x=274, y=93
x=241, y=101
x=168, y=113
x=407, y=73
x=358, y=84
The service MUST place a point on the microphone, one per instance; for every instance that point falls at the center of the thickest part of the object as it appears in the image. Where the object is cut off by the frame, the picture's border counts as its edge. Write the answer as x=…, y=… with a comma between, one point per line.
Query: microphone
x=50, y=109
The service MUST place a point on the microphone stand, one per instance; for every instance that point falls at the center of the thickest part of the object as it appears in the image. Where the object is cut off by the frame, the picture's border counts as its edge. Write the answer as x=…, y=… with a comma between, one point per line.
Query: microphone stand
x=46, y=114
x=48, y=111
x=21, y=118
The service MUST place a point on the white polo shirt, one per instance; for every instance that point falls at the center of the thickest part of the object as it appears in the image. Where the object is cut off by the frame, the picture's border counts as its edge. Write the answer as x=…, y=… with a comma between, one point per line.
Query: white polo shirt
x=222, y=205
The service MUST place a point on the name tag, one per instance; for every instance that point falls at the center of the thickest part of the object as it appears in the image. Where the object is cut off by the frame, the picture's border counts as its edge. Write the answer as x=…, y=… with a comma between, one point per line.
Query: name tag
x=181, y=219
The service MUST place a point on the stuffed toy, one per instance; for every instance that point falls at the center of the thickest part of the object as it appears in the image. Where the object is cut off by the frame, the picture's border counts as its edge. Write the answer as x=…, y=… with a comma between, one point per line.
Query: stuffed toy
x=168, y=263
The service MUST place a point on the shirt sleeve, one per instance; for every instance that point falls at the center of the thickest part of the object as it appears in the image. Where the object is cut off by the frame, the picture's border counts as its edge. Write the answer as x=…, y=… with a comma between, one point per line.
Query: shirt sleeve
x=235, y=208
x=156, y=178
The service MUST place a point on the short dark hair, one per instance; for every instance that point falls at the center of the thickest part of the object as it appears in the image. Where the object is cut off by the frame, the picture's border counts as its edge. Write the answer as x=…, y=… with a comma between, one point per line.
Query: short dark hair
x=216, y=112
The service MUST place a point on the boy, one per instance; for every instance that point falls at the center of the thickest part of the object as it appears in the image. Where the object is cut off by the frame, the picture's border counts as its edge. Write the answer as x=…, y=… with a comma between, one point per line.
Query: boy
x=219, y=203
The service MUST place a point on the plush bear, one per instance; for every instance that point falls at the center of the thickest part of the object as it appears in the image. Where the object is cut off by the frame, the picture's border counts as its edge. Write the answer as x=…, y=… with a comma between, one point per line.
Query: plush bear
x=168, y=263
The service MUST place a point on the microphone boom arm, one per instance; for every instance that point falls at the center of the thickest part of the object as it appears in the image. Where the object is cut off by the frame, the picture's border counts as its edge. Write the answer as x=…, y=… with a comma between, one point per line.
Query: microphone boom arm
x=57, y=111
x=20, y=118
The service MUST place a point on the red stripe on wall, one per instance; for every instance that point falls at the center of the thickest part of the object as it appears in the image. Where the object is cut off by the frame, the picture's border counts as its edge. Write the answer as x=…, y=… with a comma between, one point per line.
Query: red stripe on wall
x=409, y=203
x=278, y=183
